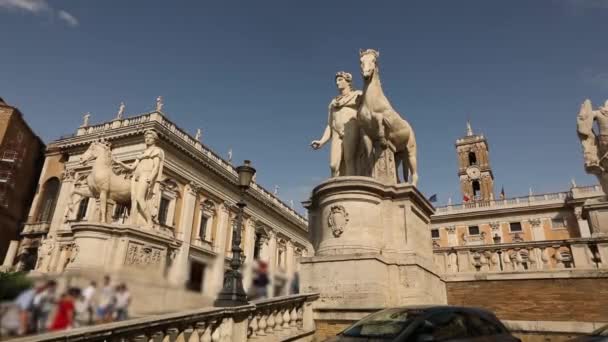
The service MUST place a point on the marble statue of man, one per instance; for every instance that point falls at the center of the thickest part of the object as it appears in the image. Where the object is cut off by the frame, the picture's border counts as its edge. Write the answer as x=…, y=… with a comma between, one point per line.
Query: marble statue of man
x=147, y=169
x=595, y=146
x=342, y=128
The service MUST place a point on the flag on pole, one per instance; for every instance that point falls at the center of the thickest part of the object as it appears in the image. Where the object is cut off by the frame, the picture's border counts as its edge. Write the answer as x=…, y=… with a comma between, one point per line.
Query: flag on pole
x=433, y=198
x=465, y=198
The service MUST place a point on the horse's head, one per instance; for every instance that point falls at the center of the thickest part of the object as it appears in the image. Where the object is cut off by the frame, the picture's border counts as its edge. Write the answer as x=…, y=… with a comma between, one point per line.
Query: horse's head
x=369, y=63
x=95, y=150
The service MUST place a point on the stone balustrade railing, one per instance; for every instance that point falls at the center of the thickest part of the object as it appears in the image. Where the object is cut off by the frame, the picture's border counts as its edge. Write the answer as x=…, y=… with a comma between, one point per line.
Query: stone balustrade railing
x=287, y=318
x=182, y=135
x=523, y=201
x=581, y=253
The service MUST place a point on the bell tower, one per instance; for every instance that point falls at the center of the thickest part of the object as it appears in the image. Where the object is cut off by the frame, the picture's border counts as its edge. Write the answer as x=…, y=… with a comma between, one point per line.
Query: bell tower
x=474, y=170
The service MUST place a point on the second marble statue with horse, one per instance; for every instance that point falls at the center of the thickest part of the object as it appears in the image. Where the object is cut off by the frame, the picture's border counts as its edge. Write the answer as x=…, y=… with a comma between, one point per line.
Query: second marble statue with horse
x=134, y=184
x=365, y=123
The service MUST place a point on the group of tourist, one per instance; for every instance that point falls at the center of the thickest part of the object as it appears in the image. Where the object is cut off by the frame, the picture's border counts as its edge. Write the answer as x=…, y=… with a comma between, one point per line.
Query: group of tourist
x=40, y=309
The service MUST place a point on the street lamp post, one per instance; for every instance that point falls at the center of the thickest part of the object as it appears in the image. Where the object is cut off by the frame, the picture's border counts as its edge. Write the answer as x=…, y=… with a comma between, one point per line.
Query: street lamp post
x=233, y=293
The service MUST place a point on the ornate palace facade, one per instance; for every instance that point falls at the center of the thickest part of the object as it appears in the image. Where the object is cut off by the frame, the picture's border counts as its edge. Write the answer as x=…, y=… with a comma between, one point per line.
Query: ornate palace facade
x=187, y=246
x=470, y=235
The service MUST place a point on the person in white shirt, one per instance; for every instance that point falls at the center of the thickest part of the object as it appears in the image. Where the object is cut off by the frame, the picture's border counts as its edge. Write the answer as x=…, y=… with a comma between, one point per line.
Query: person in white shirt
x=123, y=299
x=106, y=301
x=88, y=300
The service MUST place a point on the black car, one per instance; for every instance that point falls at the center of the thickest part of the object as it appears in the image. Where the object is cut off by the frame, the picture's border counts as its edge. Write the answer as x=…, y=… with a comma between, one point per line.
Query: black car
x=600, y=335
x=426, y=324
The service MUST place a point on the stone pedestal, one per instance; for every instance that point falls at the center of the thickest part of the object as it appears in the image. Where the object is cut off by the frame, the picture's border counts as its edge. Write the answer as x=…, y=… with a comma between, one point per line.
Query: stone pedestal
x=373, y=246
x=121, y=249
x=596, y=212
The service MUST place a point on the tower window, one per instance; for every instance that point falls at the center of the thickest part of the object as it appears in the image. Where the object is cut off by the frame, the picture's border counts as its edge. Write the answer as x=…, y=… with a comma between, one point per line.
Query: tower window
x=476, y=189
x=472, y=158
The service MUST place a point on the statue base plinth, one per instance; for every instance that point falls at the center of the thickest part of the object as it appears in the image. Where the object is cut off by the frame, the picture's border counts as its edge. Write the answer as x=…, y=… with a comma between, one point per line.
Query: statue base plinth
x=112, y=248
x=372, y=245
x=139, y=257
x=596, y=212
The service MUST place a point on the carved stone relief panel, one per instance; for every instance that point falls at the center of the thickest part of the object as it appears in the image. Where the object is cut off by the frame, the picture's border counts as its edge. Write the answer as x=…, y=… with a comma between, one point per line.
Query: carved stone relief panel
x=144, y=255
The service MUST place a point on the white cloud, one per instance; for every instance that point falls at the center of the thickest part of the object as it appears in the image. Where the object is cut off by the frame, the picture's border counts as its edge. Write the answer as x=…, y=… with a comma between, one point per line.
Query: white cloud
x=33, y=6
x=68, y=18
x=39, y=7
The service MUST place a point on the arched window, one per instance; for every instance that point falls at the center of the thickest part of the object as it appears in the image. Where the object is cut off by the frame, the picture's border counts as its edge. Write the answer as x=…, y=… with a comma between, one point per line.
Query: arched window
x=472, y=158
x=476, y=189
x=49, y=200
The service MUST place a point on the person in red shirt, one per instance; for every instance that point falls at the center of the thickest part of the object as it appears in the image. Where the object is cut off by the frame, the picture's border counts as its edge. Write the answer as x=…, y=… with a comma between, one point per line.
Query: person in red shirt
x=65, y=311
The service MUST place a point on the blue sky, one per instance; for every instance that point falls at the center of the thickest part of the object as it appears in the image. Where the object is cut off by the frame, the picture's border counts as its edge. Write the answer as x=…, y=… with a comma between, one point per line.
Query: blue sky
x=257, y=76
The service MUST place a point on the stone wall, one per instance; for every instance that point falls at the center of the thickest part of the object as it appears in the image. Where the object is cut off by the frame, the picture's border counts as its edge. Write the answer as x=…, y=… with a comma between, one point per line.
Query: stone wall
x=569, y=299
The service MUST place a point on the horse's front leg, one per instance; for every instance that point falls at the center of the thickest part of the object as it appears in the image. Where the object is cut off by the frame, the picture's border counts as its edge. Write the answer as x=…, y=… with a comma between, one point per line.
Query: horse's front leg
x=103, y=205
x=378, y=120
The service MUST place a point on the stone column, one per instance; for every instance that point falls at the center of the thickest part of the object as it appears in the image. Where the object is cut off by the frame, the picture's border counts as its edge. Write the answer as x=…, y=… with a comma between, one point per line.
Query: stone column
x=452, y=238
x=289, y=264
x=272, y=261
x=248, y=247
x=464, y=262
x=63, y=199
x=216, y=280
x=9, y=258
x=178, y=272
x=36, y=199
x=538, y=231
x=583, y=225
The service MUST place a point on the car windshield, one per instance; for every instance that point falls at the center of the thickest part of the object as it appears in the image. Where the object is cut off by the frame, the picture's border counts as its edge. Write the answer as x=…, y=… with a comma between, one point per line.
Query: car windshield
x=603, y=331
x=384, y=324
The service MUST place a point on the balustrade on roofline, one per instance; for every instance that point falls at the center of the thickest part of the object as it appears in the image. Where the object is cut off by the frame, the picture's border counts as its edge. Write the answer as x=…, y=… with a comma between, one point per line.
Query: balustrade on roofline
x=287, y=318
x=154, y=116
x=528, y=256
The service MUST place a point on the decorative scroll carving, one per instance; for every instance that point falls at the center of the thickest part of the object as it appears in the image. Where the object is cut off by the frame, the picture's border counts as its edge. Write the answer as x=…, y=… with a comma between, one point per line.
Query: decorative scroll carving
x=337, y=219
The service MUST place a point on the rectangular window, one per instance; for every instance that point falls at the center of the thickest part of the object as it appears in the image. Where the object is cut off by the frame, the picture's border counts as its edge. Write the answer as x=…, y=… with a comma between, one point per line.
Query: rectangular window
x=5, y=176
x=9, y=156
x=473, y=230
x=515, y=227
x=558, y=222
x=163, y=210
x=257, y=247
x=196, y=278
x=202, y=228
x=82, y=209
x=435, y=233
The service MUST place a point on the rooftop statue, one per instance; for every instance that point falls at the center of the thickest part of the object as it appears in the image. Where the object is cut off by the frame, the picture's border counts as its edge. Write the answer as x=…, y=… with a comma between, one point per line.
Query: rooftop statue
x=342, y=128
x=381, y=123
x=595, y=145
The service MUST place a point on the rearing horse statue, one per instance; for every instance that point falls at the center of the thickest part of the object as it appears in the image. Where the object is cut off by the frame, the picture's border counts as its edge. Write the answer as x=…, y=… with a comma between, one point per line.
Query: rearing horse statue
x=380, y=122
x=102, y=182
